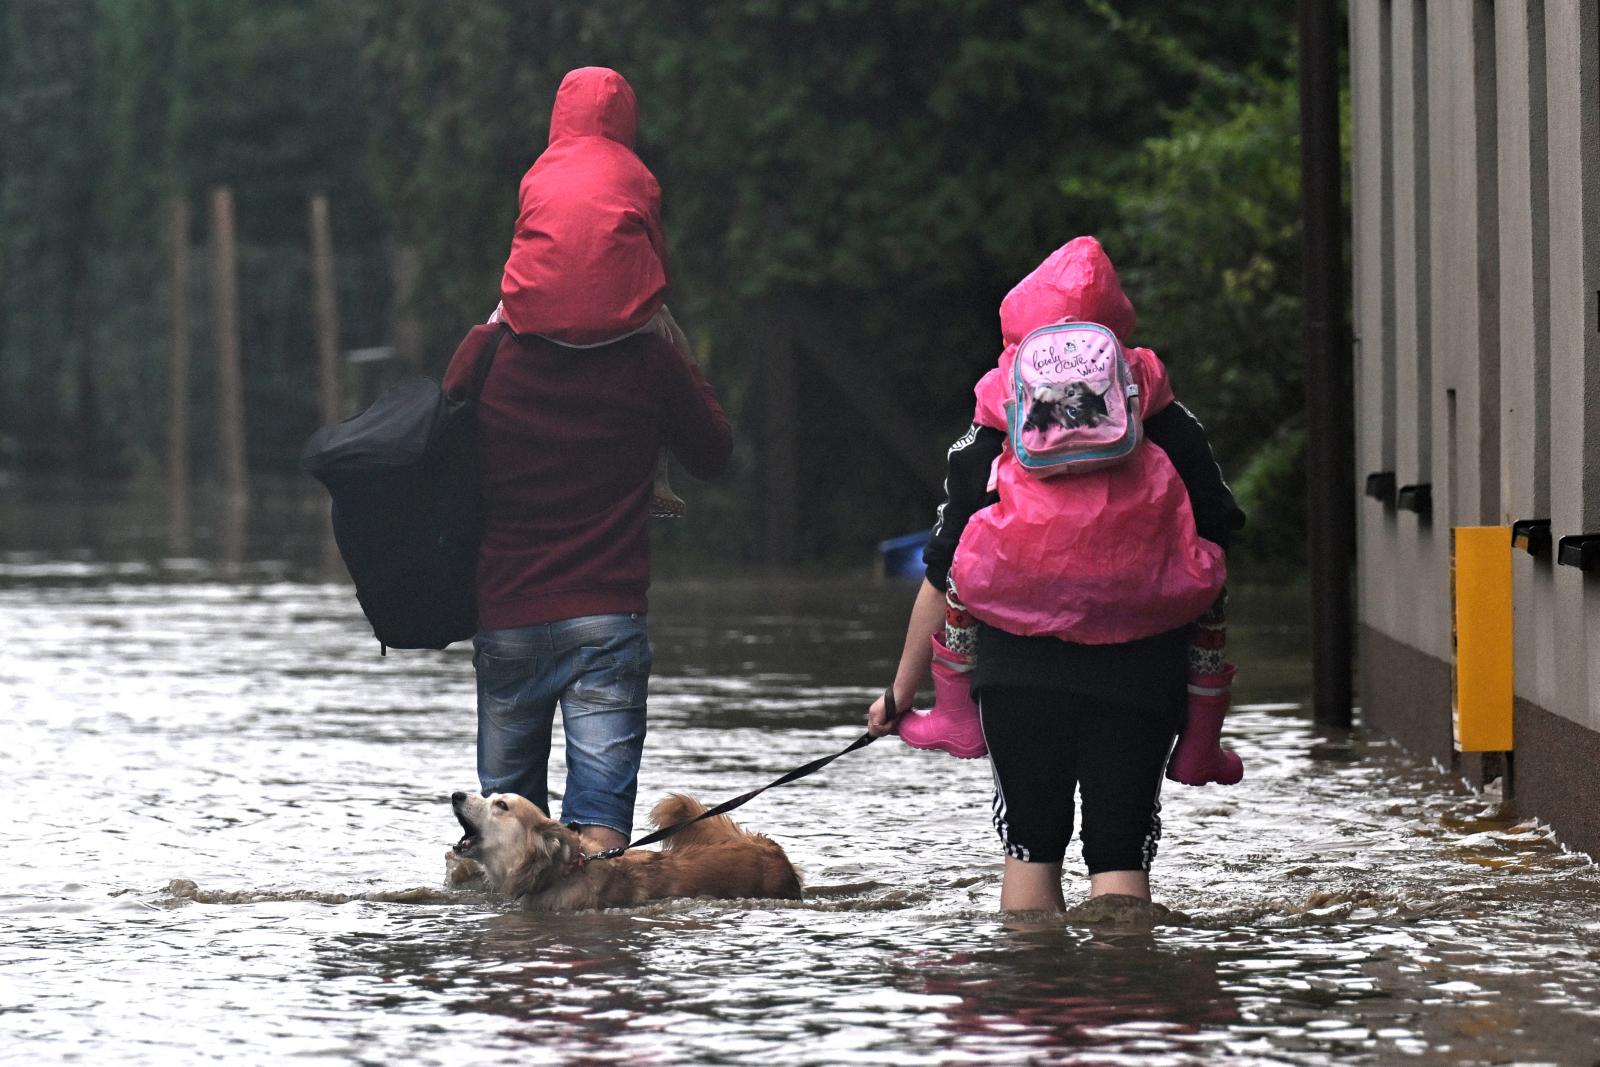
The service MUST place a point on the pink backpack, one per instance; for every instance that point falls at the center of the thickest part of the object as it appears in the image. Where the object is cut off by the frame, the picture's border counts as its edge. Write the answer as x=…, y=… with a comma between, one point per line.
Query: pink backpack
x=1074, y=406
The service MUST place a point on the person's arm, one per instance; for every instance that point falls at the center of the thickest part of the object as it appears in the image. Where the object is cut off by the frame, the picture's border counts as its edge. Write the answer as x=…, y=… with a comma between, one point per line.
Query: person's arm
x=461, y=374
x=693, y=425
x=966, y=491
x=927, y=615
x=1179, y=434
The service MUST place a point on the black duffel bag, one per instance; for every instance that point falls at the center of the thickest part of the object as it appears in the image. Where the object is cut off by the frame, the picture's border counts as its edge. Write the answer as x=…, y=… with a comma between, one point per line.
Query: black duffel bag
x=407, y=513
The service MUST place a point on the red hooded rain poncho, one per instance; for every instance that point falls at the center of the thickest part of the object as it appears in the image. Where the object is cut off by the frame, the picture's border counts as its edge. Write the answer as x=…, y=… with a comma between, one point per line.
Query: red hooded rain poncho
x=588, y=259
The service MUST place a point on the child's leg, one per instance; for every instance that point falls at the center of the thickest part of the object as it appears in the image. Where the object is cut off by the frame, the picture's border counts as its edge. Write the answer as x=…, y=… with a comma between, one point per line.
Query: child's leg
x=1208, y=648
x=664, y=503
x=960, y=628
x=951, y=725
x=1199, y=757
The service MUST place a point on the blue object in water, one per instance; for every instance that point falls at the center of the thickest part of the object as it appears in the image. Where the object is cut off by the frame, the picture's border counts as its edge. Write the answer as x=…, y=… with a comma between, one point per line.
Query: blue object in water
x=902, y=556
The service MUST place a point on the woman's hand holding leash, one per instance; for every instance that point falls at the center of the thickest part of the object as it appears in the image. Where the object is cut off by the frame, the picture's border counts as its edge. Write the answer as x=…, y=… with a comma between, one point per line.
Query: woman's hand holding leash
x=927, y=615
x=885, y=710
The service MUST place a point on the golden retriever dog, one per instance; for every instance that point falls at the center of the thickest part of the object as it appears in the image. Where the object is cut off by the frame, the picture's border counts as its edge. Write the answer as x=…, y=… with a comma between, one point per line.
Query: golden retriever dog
x=529, y=855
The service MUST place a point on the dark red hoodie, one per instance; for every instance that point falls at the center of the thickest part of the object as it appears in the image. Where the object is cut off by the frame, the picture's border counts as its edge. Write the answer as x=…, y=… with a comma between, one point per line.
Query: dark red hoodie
x=588, y=258
x=567, y=449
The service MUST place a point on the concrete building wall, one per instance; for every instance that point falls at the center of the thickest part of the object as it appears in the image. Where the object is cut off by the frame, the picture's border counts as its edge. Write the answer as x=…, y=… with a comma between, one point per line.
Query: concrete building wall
x=1476, y=192
x=1574, y=108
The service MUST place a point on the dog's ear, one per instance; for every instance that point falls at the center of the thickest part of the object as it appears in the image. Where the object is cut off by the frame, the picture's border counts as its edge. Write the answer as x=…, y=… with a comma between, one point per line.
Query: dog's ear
x=548, y=852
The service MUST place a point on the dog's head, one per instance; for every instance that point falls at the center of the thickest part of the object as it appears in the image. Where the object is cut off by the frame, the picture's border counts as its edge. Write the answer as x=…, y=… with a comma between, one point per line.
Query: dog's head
x=523, y=850
x=1074, y=403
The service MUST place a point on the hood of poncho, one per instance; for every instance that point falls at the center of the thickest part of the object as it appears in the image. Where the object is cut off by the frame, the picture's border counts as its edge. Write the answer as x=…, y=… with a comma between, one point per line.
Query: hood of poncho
x=588, y=258
x=1075, y=282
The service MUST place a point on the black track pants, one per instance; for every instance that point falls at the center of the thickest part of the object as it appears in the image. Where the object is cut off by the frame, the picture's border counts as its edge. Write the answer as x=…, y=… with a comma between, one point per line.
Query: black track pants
x=1044, y=744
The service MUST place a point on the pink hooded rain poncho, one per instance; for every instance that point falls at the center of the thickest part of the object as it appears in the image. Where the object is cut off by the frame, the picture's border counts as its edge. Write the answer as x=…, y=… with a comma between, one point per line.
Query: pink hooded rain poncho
x=1096, y=557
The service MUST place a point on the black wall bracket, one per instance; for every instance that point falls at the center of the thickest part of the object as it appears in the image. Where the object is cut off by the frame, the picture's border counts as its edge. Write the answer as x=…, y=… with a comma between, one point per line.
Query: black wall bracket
x=1532, y=536
x=1581, y=551
x=1381, y=486
x=1416, y=498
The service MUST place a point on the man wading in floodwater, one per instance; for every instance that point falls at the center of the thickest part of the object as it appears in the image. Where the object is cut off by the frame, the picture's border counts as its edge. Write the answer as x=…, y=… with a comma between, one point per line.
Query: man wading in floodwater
x=580, y=398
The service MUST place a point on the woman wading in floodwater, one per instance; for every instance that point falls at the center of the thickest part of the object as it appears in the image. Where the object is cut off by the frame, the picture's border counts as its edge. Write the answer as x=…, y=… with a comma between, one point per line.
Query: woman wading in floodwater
x=1083, y=588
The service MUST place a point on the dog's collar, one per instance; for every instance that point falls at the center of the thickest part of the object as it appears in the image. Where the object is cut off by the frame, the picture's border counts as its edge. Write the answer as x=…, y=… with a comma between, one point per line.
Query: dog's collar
x=578, y=863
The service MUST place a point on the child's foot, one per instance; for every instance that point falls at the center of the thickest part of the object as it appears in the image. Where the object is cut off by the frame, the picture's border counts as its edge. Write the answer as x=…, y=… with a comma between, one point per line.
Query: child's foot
x=952, y=725
x=664, y=503
x=931, y=729
x=1199, y=757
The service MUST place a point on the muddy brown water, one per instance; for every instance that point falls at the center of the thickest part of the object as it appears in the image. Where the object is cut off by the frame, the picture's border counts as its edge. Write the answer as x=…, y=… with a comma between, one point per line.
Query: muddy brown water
x=226, y=818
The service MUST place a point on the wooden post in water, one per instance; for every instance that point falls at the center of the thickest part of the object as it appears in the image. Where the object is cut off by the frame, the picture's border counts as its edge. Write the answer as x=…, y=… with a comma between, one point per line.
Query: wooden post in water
x=780, y=460
x=86, y=321
x=406, y=327
x=325, y=308
x=178, y=237
x=225, y=338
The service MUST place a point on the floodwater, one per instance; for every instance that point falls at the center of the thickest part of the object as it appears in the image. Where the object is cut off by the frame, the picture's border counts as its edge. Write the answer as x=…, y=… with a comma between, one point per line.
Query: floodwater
x=226, y=819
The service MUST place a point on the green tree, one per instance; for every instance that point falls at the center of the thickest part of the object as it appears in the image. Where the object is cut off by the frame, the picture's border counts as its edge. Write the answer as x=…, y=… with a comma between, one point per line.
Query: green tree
x=46, y=225
x=872, y=174
x=110, y=107
x=883, y=170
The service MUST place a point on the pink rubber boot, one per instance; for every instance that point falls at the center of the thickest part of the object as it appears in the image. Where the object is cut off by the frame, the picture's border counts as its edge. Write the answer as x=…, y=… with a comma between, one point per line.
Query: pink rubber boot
x=952, y=724
x=1199, y=757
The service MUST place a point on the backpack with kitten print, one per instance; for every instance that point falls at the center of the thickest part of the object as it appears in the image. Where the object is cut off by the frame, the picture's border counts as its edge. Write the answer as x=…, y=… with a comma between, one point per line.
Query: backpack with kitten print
x=1074, y=405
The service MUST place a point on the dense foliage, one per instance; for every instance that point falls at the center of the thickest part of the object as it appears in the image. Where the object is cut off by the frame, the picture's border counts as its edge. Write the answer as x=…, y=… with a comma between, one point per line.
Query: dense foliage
x=872, y=175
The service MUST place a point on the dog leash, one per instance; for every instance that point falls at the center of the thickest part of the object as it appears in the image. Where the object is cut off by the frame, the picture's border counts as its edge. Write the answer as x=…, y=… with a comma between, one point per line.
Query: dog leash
x=728, y=805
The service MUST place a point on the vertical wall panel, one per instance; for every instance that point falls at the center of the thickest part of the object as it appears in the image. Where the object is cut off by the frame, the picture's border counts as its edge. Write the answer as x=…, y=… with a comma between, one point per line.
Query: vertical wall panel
x=1372, y=257
x=1448, y=76
x=1524, y=260
x=1409, y=51
x=1572, y=38
x=1485, y=458
x=1385, y=222
x=1422, y=592
x=1464, y=256
x=1525, y=327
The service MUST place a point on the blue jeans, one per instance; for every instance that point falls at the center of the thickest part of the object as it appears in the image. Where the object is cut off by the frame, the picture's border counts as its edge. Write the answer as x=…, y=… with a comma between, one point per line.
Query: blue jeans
x=597, y=667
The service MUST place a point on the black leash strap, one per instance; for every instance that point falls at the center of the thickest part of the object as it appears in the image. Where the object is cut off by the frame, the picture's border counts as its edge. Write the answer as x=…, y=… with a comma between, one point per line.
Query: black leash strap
x=728, y=805
x=480, y=376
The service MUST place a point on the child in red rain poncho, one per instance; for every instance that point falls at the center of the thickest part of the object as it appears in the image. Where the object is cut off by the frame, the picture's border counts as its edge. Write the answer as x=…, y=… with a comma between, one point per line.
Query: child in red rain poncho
x=588, y=257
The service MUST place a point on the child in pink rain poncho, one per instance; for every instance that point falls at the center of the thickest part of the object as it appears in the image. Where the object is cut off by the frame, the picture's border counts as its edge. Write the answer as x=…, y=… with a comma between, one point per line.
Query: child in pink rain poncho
x=1068, y=600
x=1098, y=556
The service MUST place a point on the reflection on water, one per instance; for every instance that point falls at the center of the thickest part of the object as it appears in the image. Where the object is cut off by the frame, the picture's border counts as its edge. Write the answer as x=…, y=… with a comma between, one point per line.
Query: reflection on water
x=227, y=818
